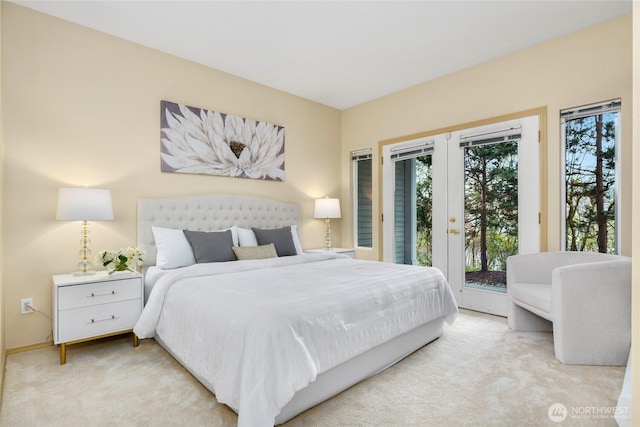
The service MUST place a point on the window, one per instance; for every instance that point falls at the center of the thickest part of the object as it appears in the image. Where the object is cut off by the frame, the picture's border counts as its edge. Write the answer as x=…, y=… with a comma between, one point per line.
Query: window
x=413, y=197
x=363, y=198
x=591, y=135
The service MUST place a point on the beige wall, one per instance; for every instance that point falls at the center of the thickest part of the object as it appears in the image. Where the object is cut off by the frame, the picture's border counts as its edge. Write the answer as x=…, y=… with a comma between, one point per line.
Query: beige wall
x=584, y=67
x=635, y=301
x=2, y=334
x=81, y=107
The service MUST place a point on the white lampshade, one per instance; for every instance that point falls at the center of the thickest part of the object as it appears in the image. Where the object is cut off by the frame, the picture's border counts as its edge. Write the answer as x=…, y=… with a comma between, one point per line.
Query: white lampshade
x=84, y=204
x=327, y=208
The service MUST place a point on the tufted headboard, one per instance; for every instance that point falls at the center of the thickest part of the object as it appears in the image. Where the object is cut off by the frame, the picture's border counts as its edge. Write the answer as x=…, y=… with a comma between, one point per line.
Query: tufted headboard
x=208, y=213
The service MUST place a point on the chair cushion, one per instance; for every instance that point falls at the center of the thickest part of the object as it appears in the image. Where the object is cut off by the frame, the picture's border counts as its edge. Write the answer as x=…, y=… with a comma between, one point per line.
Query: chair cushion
x=535, y=296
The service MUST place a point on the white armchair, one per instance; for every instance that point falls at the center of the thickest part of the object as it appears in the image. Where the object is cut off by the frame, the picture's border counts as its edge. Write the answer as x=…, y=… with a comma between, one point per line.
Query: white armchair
x=583, y=297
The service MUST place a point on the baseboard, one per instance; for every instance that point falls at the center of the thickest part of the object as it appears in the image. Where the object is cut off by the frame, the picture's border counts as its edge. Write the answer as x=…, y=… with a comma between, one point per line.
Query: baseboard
x=26, y=348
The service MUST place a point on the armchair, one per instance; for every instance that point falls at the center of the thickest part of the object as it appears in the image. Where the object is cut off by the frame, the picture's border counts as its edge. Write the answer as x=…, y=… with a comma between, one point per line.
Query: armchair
x=583, y=297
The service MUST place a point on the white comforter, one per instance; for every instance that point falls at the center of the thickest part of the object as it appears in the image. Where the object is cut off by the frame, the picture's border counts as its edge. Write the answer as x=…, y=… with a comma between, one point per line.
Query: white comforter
x=255, y=332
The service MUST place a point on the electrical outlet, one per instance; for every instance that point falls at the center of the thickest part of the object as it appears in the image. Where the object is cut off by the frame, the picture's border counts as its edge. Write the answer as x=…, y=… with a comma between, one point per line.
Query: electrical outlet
x=23, y=305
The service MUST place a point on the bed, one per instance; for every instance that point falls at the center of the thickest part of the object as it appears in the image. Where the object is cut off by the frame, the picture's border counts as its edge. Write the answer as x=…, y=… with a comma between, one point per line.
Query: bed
x=272, y=336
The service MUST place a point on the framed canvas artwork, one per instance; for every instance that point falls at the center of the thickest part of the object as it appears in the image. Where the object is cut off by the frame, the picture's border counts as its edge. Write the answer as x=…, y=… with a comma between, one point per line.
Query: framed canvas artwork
x=199, y=141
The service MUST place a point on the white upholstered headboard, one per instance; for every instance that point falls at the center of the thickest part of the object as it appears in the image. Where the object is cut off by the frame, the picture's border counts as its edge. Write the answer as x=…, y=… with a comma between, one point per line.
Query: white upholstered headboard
x=208, y=213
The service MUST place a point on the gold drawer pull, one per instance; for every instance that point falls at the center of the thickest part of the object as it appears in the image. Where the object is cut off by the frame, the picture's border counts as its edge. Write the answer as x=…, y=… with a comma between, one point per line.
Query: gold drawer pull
x=101, y=295
x=112, y=317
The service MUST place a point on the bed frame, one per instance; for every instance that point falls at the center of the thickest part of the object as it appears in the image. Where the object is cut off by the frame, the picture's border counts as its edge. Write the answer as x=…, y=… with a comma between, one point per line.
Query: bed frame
x=215, y=212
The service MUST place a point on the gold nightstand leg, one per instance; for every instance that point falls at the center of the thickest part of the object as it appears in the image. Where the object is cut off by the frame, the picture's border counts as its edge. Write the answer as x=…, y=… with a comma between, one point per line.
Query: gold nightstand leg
x=135, y=340
x=63, y=353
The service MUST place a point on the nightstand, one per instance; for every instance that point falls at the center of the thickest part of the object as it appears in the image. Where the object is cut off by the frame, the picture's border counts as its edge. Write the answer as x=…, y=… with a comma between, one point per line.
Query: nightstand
x=343, y=251
x=88, y=307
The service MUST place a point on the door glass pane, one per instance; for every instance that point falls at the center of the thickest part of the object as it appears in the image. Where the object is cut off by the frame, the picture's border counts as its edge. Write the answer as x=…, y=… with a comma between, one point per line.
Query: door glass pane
x=590, y=175
x=424, y=210
x=490, y=213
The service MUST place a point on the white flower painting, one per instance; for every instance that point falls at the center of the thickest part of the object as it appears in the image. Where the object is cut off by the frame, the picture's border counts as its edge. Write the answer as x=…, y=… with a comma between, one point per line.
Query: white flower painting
x=199, y=141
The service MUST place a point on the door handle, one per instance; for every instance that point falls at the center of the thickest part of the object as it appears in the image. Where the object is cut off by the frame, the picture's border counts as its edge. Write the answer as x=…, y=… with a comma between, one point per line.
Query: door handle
x=453, y=232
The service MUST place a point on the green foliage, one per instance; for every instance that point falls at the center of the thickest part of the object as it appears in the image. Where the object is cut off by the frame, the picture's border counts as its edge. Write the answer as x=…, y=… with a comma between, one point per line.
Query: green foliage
x=424, y=247
x=424, y=207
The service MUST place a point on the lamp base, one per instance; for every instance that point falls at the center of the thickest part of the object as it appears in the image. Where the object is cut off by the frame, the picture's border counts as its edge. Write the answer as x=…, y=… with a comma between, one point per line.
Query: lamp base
x=327, y=235
x=84, y=273
x=85, y=253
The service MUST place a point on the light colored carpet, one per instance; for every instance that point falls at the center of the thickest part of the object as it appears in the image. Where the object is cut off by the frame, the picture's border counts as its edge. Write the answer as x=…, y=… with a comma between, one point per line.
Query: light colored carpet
x=479, y=373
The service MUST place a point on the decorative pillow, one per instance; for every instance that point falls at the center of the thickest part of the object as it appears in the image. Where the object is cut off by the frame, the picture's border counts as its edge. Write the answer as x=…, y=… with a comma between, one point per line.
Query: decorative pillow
x=255, y=252
x=211, y=246
x=280, y=237
x=173, y=249
x=246, y=237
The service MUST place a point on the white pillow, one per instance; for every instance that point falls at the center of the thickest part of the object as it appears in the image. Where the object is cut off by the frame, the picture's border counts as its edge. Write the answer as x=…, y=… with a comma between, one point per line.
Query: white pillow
x=296, y=239
x=234, y=234
x=172, y=248
x=246, y=237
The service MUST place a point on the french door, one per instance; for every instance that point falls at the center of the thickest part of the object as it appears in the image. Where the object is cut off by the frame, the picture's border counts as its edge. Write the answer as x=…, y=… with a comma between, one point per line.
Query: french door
x=463, y=201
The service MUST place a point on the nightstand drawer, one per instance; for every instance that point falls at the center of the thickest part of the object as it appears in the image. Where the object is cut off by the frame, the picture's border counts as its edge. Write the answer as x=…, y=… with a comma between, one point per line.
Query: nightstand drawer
x=85, y=322
x=98, y=293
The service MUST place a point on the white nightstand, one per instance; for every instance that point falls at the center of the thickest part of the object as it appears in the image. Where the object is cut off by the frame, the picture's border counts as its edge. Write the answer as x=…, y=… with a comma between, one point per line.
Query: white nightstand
x=87, y=307
x=343, y=251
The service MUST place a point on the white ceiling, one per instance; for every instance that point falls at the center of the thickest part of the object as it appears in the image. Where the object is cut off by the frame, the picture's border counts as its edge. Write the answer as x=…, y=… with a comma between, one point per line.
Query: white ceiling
x=338, y=53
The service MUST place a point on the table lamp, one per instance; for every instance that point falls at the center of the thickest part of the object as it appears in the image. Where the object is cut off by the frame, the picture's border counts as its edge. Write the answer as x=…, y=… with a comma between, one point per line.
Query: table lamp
x=327, y=208
x=84, y=204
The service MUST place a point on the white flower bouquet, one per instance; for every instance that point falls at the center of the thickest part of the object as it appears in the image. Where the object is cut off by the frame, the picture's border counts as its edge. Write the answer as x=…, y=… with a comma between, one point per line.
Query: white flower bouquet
x=123, y=259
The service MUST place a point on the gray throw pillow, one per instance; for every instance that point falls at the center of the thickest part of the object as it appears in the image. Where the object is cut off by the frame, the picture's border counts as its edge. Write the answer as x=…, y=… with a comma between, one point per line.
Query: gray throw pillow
x=280, y=237
x=211, y=246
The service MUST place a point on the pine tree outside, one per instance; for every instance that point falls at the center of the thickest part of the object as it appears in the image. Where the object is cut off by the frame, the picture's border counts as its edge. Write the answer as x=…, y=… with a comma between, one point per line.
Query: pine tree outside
x=491, y=213
x=590, y=182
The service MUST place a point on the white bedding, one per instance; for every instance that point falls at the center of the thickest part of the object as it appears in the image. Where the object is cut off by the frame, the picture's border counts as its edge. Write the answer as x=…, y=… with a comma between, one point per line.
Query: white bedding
x=151, y=275
x=255, y=332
